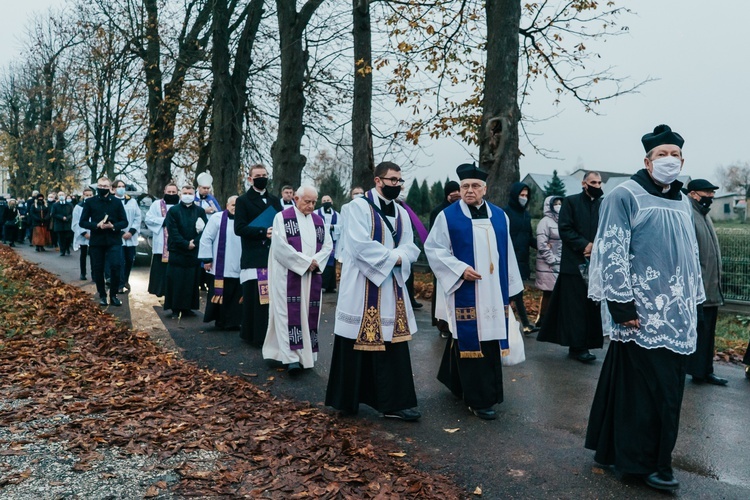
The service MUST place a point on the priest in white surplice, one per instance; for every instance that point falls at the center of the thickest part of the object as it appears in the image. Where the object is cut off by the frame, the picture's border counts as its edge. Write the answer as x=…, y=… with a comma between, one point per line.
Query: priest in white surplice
x=220, y=251
x=374, y=318
x=475, y=276
x=299, y=250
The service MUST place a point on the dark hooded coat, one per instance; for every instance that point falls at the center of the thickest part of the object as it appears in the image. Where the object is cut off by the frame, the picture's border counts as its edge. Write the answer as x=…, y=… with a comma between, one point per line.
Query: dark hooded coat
x=521, y=234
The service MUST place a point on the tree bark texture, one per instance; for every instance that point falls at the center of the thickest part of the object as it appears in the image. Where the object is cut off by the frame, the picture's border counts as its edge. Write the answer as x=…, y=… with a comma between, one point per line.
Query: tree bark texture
x=286, y=153
x=498, y=141
x=230, y=95
x=363, y=156
x=164, y=99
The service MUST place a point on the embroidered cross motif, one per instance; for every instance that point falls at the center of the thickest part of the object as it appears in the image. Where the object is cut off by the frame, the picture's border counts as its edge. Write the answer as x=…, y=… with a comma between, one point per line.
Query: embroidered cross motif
x=291, y=227
x=295, y=335
x=466, y=313
x=320, y=233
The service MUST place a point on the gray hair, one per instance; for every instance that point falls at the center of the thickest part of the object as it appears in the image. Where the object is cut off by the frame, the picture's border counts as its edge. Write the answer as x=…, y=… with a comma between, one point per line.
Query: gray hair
x=305, y=189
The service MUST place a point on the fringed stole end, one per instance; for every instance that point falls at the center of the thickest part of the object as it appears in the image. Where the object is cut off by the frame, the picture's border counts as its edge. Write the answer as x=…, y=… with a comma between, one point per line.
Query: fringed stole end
x=401, y=338
x=471, y=354
x=369, y=347
x=505, y=352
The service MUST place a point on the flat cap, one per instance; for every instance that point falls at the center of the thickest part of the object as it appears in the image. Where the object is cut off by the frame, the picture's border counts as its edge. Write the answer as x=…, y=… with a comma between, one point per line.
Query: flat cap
x=701, y=185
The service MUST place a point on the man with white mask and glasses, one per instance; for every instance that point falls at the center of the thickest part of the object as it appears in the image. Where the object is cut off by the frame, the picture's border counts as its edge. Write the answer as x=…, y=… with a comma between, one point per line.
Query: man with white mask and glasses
x=646, y=272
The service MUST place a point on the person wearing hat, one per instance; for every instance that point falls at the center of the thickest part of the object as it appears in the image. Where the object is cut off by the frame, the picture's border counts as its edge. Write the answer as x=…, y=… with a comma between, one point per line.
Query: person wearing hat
x=203, y=197
x=701, y=362
x=646, y=272
x=452, y=193
x=572, y=319
x=470, y=251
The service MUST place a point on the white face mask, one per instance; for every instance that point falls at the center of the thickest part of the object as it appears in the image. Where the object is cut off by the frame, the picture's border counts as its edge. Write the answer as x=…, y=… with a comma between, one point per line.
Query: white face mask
x=522, y=201
x=556, y=208
x=187, y=199
x=665, y=170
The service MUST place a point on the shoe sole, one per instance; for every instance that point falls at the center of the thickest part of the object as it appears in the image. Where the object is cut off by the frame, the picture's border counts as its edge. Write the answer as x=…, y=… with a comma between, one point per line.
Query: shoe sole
x=414, y=419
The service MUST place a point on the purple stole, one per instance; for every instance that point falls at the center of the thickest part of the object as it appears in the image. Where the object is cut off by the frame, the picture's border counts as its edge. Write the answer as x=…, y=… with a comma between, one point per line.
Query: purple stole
x=370, y=336
x=165, y=252
x=415, y=222
x=294, y=283
x=218, y=297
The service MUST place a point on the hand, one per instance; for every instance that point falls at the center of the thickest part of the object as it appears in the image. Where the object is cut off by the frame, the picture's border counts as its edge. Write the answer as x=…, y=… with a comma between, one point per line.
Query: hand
x=207, y=266
x=587, y=250
x=313, y=265
x=210, y=210
x=65, y=218
x=471, y=275
x=191, y=245
x=87, y=236
x=269, y=232
x=127, y=235
x=633, y=323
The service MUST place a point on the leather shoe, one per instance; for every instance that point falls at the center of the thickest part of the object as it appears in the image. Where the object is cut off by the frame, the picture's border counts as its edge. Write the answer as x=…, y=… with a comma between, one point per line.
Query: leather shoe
x=408, y=415
x=83, y=277
x=294, y=368
x=583, y=357
x=484, y=413
x=658, y=482
x=103, y=301
x=416, y=305
x=114, y=301
x=747, y=371
x=710, y=379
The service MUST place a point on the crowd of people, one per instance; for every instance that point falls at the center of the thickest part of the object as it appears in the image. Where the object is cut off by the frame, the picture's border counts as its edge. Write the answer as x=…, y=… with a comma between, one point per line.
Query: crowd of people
x=267, y=260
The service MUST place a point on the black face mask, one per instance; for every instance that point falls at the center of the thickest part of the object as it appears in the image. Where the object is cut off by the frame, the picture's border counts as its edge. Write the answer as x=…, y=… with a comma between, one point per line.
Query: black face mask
x=594, y=192
x=102, y=192
x=327, y=205
x=705, y=202
x=171, y=199
x=260, y=183
x=391, y=192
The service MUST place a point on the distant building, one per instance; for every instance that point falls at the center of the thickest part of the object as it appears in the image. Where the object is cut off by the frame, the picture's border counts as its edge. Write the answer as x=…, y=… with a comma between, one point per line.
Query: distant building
x=728, y=206
x=572, y=183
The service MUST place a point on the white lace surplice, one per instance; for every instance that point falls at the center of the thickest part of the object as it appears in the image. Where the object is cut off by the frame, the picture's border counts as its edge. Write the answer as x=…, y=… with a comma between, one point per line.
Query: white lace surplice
x=645, y=251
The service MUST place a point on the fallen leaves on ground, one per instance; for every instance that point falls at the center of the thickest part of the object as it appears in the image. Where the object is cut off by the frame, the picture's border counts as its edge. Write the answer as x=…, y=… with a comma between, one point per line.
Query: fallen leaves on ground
x=62, y=355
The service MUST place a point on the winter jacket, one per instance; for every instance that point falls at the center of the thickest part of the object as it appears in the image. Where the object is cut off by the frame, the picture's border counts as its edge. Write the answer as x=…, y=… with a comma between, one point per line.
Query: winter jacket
x=62, y=214
x=549, y=247
x=709, y=254
x=521, y=233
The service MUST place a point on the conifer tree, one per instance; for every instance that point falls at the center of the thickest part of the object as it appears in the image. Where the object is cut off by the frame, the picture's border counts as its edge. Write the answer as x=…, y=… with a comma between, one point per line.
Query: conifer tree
x=426, y=206
x=555, y=186
x=414, y=196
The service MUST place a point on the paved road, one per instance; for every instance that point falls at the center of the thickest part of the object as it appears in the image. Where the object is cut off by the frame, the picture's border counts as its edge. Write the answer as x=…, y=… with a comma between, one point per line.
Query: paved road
x=535, y=448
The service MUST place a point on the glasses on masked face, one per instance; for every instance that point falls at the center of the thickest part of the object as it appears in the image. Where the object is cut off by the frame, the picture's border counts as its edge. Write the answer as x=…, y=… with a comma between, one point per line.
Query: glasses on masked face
x=393, y=181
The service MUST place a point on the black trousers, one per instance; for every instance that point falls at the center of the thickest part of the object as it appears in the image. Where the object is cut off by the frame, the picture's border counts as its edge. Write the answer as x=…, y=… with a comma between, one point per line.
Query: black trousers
x=82, y=260
x=254, y=315
x=329, y=278
x=64, y=240
x=111, y=257
x=520, y=308
x=128, y=256
x=10, y=233
x=701, y=362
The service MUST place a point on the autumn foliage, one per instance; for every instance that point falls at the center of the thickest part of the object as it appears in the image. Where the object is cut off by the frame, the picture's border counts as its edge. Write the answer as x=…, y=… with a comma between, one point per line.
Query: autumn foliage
x=61, y=355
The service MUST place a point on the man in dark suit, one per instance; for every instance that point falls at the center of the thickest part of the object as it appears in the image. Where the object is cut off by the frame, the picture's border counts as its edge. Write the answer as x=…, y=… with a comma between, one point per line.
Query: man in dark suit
x=251, y=226
x=104, y=216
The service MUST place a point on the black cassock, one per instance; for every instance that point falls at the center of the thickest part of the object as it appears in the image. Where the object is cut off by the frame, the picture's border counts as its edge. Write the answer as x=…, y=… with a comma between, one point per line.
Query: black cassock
x=573, y=319
x=183, y=268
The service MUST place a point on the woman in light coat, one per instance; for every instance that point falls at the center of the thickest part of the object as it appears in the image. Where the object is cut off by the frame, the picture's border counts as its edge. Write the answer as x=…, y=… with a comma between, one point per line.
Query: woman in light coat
x=549, y=251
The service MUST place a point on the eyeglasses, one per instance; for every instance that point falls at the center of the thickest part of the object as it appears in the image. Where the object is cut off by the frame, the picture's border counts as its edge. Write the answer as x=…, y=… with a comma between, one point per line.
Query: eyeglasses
x=473, y=186
x=393, y=181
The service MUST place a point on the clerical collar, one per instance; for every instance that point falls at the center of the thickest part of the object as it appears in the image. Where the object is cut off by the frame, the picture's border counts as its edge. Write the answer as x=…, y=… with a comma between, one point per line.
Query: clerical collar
x=259, y=192
x=479, y=212
x=290, y=202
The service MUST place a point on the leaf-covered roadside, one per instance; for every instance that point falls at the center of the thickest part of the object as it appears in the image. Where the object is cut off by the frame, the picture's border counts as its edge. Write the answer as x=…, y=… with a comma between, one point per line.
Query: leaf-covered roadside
x=61, y=355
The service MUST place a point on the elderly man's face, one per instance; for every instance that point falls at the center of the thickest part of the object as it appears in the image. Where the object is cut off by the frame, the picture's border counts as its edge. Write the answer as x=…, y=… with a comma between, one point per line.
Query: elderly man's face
x=306, y=202
x=473, y=191
x=231, y=204
x=663, y=151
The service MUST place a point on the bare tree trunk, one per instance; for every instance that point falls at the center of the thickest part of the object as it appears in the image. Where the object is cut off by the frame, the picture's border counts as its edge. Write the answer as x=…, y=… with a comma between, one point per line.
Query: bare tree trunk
x=363, y=158
x=498, y=141
x=230, y=95
x=288, y=160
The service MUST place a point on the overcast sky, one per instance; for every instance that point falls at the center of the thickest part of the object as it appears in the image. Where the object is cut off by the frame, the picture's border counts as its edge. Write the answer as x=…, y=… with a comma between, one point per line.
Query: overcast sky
x=696, y=50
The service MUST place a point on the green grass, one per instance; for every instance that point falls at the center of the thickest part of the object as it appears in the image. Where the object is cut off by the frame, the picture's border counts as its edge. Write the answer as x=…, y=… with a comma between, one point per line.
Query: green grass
x=732, y=332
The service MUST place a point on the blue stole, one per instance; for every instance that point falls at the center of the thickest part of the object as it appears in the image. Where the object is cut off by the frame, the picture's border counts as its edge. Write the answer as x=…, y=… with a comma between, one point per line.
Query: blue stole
x=461, y=234
x=334, y=221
